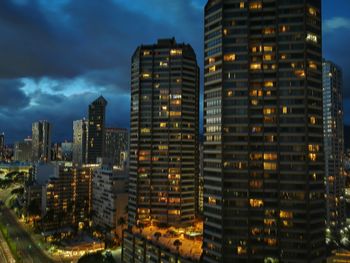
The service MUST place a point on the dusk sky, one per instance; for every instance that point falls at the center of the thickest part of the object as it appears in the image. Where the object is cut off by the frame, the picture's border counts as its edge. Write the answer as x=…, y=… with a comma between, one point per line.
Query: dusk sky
x=57, y=56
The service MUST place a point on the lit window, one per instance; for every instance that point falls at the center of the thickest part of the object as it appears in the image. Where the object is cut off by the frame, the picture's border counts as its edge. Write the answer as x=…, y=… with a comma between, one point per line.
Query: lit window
x=230, y=93
x=312, y=120
x=312, y=11
x=268, y=48
x=311, y=37
x=313, y=156
x=162, y=124
x=314, y=148
x=174, y=212
x=211, y=200
x=211, y=60
x=255, y=5
x=268, y=31
x=254, y=102
x=270, y=166
x=175, y=52
x=175, y=113
x=284, y=110
x=255, y=66
x=300, y=73
x=163, y=64
x=283, y=56
x=225, y=31
x=256, y=202
x=257, y=184
x=270, y=156
x=312, y=65
x=230, y=57
x=283, y=28
x=212, y=69
x=256, y=93
x=286, y=214
x=163, y=147
x=146, y=53
x=145, y=130
x=268, y=111
x=268, y=84
x=256, y=49
x=241, y=5
x=267, y=57
x=241, y=250
x=269, y=138
x=146, y=75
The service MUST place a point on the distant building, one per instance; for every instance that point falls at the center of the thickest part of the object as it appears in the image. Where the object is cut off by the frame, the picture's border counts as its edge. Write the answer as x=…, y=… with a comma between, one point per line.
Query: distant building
x=67, y=151
x=80, y=137
x=96, y=129
x=333, y=127
x=117, y=146
x=109, y=198
x=2, y=145
x=23, y=150
x=41, y=141
x=66, y=198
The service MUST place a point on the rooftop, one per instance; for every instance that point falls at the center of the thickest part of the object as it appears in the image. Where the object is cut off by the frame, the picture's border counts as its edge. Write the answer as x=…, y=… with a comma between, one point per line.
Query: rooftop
x=191, y=239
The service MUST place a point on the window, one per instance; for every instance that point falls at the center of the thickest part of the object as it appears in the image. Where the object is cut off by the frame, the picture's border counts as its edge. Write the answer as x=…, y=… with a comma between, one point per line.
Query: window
x=312, y=65
x=284, y=28
x=256, y=202
x=225, y=31
x=255, y=66
x=268, y=111
x=286, y=214
x=241, y=250
x=313, y=120
x=255, y=5
x=230, y=57
x=163, y=124
x=268, y=31
x=211, y=60
x=212, y=69
x=284, y=110
x=175, y=113
x=312, y=11
x=268, y=84
x=270, y=156
x=145, y=130
x=175, y=52
x=241, y=5
x=163, y=64
x=311, y=37
x=300, y=73
x=270, y=166
x=313, y=156
x=268, y=48
x=267, y=57
x=211, y=200
x=145, y=75
x=314, y=148
x=146, y=53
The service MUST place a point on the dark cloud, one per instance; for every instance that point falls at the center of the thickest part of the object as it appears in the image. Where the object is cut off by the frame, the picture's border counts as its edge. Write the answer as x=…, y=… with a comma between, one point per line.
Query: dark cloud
x=12, y=96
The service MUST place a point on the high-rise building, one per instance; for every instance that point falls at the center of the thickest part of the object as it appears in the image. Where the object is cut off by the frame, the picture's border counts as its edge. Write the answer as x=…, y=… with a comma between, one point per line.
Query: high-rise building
x=263, y=149
x=333, y=128
x=2, y=145
x=67, y=151
x=41, y=141
x=96, y=129
x=80, y=136
x=117, y=146
x=109, y=198
x=66, y=197
x=163, y=147
x=23, y=150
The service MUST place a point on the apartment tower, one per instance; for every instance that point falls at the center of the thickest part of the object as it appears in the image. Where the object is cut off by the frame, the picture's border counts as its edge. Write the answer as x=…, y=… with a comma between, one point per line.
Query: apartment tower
x=333, y=128
x=41, y=141
x=96, y=129
x=263, y=149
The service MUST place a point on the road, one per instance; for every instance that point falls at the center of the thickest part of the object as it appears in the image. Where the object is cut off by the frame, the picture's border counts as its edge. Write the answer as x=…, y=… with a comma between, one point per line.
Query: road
x=26, y=248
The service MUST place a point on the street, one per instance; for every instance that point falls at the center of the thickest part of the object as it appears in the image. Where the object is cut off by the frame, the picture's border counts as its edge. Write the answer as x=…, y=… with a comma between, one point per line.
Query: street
x=26, y=248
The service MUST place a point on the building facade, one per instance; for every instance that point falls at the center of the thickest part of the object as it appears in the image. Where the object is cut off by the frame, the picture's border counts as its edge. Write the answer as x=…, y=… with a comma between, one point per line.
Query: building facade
x=96, y=129
x=109, y=198
x=41, y=141
x=164, y=154
x=23, y=150
x=263, y=148
x=80, y=136
x=117, y=146
x=67, y=198
x=333, y=127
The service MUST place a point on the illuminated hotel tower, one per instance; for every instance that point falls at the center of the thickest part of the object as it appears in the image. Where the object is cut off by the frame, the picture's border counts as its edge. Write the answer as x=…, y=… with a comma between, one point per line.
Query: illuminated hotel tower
x=164, y=134
x=263, y=150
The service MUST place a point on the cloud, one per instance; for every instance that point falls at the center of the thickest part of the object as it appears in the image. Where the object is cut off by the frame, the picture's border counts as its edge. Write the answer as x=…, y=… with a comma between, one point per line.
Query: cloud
x=336, y=23
x=12, y=96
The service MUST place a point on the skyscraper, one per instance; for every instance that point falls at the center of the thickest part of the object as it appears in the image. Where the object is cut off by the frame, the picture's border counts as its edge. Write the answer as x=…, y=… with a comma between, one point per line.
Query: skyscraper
x=263, y=150
x=117, y=145
x=2, y=144
x=96, y=129
x=23, y=150
x=41, y=141
x=163, y=142
x=333, y=127
x=80, y=136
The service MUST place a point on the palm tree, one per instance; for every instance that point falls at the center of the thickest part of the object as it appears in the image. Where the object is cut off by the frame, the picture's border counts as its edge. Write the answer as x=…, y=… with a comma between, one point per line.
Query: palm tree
x=157, y=235
x=177, y=244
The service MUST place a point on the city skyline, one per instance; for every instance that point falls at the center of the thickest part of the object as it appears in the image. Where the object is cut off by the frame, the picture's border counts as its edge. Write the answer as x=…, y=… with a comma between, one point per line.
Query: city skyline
x=49, y=92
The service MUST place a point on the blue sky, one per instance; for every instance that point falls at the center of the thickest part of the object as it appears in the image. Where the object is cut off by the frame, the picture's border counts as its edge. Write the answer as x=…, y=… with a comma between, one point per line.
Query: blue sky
x=57, y=56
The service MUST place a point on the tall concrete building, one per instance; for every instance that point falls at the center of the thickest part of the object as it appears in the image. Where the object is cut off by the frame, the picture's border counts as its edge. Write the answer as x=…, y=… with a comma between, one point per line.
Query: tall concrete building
x=163, y=143
x=117, y=146
x=41, y=141
x=23, y=150
x=109, y=198
x=80, y=136
x=2, y=145
x=96, y=129
x=333, y=128
x=263, y=149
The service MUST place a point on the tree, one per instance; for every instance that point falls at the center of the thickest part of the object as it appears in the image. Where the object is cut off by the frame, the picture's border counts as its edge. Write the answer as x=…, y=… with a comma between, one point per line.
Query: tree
x=121, y=222
x=177, y=244
x=157, y=235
